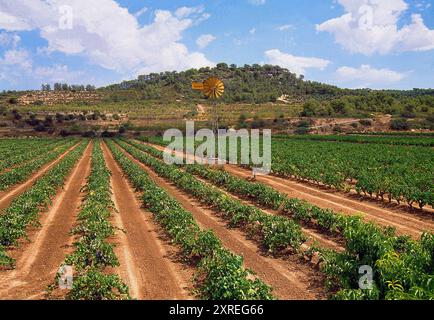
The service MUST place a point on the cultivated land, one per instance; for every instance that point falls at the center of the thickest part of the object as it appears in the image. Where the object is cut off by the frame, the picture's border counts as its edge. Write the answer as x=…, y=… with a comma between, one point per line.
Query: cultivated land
x=131, y=226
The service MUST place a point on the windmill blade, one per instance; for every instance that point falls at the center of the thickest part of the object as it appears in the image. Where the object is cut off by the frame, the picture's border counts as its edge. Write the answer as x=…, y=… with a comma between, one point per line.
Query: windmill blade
x=213, y=88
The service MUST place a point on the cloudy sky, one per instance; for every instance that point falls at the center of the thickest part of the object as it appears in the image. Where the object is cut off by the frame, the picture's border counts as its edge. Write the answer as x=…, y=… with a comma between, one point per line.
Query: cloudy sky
x=350, y=43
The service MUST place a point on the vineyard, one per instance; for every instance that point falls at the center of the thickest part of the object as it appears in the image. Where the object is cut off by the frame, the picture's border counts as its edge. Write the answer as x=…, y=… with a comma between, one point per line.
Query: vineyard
x=108, y=219
x=377, y=169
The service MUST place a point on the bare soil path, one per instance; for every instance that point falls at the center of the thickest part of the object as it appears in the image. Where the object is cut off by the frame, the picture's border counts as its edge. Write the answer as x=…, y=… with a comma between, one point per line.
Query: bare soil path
x=409, y=222
x=324, y=240
x=404, y=222
x=39, y=260
x=290, y=278
x=147, y=261
x=7, y=196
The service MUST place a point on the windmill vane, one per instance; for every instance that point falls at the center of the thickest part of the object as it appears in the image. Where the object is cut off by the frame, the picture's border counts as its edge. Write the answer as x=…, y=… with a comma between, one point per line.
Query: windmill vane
x=213, y=87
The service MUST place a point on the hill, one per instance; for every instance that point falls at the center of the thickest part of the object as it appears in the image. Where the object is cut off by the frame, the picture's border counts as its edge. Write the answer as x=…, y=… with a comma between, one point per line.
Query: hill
x=255, y=96
x=258, y=84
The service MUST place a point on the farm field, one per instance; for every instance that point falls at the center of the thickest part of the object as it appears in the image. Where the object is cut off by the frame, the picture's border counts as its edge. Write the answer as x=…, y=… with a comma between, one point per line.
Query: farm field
x=371, y=168
x=125, y=225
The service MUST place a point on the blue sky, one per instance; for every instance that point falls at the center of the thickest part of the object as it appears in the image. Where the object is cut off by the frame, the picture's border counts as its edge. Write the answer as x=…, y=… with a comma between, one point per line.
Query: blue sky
x=349, y=43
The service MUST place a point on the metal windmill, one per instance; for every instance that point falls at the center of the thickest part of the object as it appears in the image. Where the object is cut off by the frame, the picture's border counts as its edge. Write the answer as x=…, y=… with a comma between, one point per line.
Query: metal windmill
x=213, y=88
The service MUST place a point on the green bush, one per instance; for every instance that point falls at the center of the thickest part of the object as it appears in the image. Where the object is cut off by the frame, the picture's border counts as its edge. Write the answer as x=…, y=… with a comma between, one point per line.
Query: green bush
x=400, y=125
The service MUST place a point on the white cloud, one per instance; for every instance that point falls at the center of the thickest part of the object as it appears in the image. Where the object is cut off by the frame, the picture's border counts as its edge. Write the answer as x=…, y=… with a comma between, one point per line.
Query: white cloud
x=204, y=40
x=58, y=73
x=141, y=12
x=295, y=64
x=10, y=22
x=368, y=75
x=372, y=26
x=19, y=58
x=108, y=35
x=9, y=39
x=252, y=31
x=257, y=2
x=185, y=12
x=285, y=27
x=16, y=65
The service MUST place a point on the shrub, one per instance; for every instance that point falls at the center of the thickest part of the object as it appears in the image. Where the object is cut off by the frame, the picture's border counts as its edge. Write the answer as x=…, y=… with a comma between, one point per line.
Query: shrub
x=60, y=117
x=107, y=134
x=366, y=122
x=64, y=133
x=40, y=128
x=337, y=129
x=258, y=123
x=13, y=100
x=122, y=130
x=400, y=124
x=310, y=108
x=48, y=120
x=408, y=115
x=70, y=117
x=89, y=134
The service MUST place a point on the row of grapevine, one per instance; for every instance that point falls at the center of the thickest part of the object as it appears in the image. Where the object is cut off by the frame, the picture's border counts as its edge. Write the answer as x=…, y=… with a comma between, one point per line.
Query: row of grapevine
x=364, y=242
x=10, y=147
x=400, y=140
x=93, y=254
x=25, y=209
x=21, y=155
x=396, y=173
x=321, y=219
x=274, y=232
x=220, y=273
x=403, y=174
x=21, y=173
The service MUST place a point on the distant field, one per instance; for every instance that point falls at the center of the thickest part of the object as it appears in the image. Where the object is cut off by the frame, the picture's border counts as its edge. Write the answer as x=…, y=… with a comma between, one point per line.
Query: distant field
x=158, y=110
x=427, y=141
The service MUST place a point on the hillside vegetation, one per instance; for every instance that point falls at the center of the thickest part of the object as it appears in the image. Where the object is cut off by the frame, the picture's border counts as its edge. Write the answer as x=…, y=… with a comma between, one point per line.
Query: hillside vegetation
x=255, y=96
x=263, y=84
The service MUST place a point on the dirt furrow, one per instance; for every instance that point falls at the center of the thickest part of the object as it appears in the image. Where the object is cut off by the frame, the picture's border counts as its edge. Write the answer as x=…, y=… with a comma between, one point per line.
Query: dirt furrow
x=289, y=277
x=39, y=260
x=7, y=196
x=147, y=262
x=324, y=240
x=403, y=223
x=410, y=223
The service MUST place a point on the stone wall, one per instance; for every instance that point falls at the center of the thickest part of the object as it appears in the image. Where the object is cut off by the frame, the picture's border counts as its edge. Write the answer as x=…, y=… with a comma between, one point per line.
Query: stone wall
x=58, y=97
